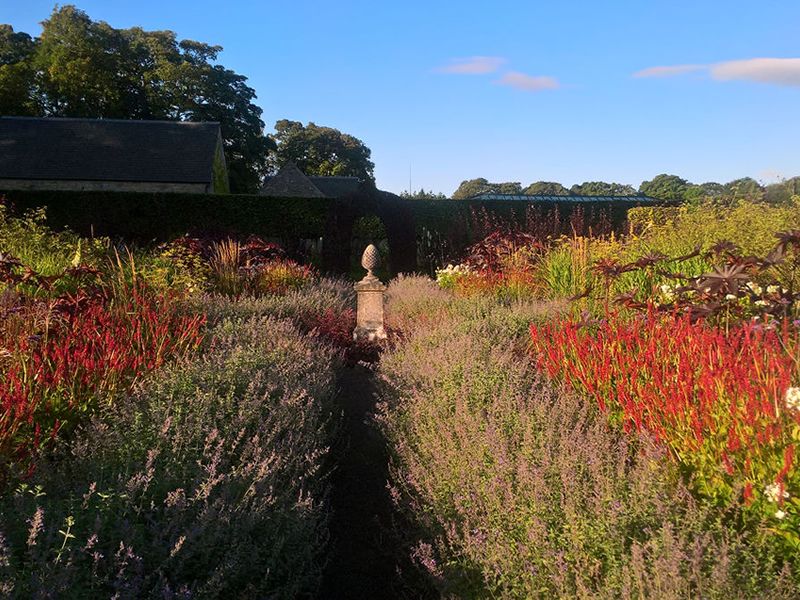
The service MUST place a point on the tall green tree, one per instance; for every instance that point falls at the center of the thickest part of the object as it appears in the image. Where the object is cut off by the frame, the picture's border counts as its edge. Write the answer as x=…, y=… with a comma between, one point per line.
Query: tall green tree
x=744, y=188
x=474, y=187
x=318, y=150
x=551, y=188
x=16, y=73
x=601, y=188
x=783, y=191
x=665, y=187
x=423, y=194
x=84, y=68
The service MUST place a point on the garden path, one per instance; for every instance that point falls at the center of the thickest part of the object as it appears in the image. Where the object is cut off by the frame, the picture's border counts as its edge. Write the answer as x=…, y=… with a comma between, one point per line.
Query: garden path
x=363, y=554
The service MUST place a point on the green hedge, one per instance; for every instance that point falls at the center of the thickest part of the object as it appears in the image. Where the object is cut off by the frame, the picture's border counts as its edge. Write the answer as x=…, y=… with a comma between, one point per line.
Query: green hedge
x=161, y=216
x=443, y=215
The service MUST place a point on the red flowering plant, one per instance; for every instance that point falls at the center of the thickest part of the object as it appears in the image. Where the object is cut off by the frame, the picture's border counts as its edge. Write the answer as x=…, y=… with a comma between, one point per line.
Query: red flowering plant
x=61, y=356
x=721, y=401
x=707, y=367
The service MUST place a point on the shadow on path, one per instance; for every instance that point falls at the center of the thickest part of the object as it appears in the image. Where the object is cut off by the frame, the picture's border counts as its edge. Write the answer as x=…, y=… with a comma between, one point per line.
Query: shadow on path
x=362, y=559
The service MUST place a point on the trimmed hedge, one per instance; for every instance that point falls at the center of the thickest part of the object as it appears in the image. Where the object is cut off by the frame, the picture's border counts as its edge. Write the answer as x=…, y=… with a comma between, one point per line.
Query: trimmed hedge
x=443, y=215
x=162, y=216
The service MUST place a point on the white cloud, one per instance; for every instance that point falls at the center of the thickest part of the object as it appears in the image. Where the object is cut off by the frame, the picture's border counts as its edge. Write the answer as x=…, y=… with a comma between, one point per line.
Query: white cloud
x=474, y=65
x=529, y=83
x=778, y=71
x=668, y=71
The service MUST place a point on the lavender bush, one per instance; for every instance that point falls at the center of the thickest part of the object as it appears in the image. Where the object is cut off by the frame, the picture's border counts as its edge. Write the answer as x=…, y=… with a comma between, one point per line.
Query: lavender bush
x=519, y=490
x=316, y=297
x=207, y=482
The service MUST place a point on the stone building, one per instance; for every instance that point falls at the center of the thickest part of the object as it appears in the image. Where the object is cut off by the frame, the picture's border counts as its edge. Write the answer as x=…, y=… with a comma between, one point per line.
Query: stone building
x=291, y=182
x=111, y=154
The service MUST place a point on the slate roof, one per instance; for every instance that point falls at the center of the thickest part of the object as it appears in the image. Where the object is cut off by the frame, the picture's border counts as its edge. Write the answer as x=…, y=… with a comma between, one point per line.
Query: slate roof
x=566, y=198
x=107, y=150
x=291, y=182
x=336, y=187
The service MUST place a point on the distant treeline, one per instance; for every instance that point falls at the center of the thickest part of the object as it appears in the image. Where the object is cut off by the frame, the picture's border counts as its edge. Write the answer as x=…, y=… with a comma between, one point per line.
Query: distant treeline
x=664, y=186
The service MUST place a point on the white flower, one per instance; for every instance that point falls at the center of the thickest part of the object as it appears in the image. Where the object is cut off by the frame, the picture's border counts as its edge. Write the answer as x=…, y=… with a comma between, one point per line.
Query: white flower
x=761, y=303
x=773, y=492
x=792, y=398
x=667, y=291
x=755, y=288
x=779, y=514
x=730, y=297
x=773, y=289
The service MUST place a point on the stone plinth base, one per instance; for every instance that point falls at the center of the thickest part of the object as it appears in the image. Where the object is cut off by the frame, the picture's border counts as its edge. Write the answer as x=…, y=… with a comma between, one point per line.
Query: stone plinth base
x=369, y=318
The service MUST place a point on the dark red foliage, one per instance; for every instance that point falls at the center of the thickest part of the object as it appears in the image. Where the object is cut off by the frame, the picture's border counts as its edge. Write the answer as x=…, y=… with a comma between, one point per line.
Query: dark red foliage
x=336, y=328
x=82, y=349
x=490, y=253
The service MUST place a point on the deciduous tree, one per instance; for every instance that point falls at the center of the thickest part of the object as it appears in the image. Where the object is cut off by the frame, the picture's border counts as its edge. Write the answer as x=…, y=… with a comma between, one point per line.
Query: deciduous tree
x=665, y=187
x=551, y=188
x=601, y=188
x=474, y=187
x=318, y=150
x=16, y=72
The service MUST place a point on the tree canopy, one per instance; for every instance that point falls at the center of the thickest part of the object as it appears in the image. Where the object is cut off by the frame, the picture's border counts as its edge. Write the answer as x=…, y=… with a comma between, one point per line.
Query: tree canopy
x=746, y=187
x=474, y=187
x=318, y=150
x=423, y=194
x=551, y=188
x=665, y=187
x=84, y=68
x=601, y=188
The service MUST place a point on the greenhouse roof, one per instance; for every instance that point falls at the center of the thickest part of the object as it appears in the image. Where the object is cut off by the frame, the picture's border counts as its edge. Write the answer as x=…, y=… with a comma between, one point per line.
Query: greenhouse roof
x=566, y=198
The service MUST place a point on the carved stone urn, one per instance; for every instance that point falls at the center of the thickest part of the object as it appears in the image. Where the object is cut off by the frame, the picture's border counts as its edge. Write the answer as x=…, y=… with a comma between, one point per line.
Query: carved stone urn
x=370, y=291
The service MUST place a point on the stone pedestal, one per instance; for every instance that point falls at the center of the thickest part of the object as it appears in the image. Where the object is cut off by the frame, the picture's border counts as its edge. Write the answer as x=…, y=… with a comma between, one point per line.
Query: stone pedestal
x=370, y=290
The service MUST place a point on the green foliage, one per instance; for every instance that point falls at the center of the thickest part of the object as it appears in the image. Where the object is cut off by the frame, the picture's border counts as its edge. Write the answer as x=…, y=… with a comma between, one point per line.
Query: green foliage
x=423, y=194
x=84, y=68
x=675, y=231
x=546, y=187
x=601, y=188
x=474, y=187
x=31, y=240
x=782, y=192
x=16, y=72
x=318, y=150
x=665, y=187
x=208, y=482
x=146, y=217
x=745, y=188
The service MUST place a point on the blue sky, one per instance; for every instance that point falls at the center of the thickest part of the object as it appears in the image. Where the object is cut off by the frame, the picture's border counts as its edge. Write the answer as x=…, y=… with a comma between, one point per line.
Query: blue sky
x=511, y=91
